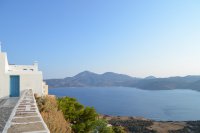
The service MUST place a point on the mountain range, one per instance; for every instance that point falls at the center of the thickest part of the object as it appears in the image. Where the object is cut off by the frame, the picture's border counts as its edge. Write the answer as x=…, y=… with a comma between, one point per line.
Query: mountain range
x=110, y=79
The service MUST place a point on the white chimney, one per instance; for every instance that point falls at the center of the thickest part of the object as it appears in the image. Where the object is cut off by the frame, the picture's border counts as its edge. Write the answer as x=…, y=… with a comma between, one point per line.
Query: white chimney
x=36, y=65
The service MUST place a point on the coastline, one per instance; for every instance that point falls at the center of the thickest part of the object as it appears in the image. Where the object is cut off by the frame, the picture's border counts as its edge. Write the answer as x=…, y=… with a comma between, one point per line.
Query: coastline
x=131, y=122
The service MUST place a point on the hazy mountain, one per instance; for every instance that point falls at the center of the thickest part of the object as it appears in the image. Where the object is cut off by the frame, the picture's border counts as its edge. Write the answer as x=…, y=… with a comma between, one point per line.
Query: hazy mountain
x=161, y=84
x=195, y=85
x=90, y=79
x=86, y=78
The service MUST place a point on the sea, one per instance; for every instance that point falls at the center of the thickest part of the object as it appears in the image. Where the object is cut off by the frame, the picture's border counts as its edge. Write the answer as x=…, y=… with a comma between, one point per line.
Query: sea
x=160, y=105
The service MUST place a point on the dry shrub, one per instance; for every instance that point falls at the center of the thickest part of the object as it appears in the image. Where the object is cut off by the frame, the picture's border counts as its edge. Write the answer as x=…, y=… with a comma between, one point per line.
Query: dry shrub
x=52, y=116
x=56, y=122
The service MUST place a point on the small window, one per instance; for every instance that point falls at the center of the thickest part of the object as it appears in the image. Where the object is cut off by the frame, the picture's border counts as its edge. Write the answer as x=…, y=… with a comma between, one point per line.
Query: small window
x=24, y=69
x=31, y=69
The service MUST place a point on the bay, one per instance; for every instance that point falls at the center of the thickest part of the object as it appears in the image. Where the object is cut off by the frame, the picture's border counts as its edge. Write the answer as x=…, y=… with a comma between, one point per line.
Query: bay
x=166, y=105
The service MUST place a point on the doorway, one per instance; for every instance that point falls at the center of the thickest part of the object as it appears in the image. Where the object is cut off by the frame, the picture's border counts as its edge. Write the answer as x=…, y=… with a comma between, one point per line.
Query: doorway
x=14, y=86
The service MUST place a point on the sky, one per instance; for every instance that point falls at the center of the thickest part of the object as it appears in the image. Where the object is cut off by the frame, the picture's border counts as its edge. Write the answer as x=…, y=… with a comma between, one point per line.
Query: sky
x=134, y=37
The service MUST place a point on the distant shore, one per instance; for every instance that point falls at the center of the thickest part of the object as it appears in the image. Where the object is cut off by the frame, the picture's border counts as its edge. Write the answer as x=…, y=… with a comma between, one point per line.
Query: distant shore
x=109, y=117
x=152, y=125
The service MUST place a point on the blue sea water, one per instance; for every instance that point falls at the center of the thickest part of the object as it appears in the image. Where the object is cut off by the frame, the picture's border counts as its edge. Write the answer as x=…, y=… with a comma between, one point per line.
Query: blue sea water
x=174, y=105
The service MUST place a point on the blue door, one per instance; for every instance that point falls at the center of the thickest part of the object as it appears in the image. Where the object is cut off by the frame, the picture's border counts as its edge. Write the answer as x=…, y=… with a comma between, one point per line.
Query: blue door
x=14, y=86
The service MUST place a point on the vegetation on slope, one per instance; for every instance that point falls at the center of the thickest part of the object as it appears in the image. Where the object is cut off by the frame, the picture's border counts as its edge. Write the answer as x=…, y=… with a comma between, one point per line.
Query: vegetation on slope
x=83, y=119
x=53, y=117
x=67, y=115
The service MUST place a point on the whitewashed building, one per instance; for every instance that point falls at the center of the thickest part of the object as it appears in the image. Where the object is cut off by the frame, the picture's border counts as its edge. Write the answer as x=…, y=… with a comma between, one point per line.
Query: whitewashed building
x=16, y=78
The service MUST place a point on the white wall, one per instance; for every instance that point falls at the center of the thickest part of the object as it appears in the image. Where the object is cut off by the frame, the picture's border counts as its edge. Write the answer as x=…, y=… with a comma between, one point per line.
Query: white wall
x=30, y=80
x=4, y=82
x=30, y=77
x=4, y=85
x=45, y=88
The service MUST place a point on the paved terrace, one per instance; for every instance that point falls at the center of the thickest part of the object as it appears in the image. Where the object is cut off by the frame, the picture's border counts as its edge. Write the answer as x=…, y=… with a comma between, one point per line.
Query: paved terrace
x=26, y=117
x=6, y=107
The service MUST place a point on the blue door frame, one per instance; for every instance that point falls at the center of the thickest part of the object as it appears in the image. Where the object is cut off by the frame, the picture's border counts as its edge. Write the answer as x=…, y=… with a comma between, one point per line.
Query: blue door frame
x=14, y=86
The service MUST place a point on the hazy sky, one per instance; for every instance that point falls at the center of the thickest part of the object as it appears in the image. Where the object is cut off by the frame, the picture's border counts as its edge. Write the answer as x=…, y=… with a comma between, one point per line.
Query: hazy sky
x=135, y=37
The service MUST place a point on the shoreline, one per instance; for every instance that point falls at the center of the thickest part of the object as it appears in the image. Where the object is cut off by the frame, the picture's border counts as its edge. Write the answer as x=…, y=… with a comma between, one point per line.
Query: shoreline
x=108, y=117
x=132, y=122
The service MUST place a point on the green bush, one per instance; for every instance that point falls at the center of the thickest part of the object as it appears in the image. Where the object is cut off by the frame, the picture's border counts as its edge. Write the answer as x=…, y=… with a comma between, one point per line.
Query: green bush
x=81, y=118
x=118, y=129
x=101, y=126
